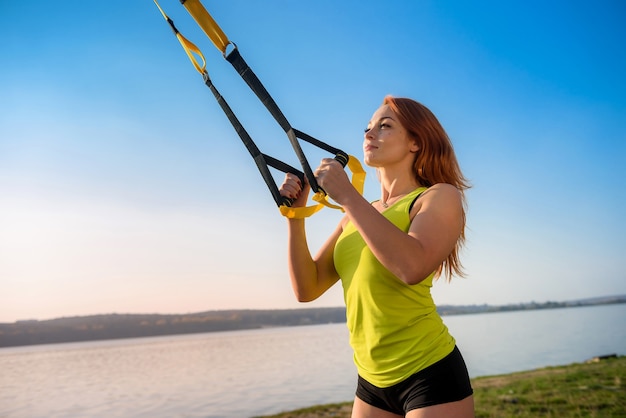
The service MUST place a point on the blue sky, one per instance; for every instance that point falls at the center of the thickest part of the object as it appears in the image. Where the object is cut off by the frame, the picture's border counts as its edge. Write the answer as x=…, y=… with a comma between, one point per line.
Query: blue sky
x=124, y=189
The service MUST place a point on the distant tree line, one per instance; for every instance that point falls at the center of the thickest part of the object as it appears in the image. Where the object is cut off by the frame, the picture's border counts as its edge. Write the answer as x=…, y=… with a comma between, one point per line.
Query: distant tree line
x=115, y=326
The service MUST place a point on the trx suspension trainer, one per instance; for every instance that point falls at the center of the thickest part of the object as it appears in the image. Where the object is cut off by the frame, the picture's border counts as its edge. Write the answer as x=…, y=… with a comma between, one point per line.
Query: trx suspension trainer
x=263, y=161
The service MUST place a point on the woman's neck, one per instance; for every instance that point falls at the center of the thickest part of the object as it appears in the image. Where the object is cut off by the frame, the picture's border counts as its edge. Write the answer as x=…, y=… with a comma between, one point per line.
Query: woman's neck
x=393, y=188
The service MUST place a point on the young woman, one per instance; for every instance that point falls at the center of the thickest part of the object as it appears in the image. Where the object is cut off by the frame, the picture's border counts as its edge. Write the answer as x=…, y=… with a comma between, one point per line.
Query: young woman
x=386, y=254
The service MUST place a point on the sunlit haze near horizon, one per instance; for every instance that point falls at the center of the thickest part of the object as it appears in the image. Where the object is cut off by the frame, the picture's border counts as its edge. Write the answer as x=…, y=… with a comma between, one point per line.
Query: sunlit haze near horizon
x=124, y=189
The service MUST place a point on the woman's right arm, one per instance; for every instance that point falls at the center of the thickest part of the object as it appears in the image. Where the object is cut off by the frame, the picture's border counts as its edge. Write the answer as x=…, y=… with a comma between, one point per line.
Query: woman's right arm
x=310, y=276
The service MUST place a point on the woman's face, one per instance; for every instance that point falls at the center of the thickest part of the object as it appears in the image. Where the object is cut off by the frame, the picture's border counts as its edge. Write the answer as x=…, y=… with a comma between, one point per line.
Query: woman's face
x=386, y=141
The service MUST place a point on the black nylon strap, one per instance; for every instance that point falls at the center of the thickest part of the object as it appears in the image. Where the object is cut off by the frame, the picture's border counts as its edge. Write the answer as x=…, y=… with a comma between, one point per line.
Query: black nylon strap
x=237, y=61
x=262, y=160
x=244, y=70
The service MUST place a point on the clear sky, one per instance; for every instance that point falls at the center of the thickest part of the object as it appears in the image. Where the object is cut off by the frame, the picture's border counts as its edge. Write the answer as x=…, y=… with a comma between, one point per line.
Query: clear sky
x=123, y=188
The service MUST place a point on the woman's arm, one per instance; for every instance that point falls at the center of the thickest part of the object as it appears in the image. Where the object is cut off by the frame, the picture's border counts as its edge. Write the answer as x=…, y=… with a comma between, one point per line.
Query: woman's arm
x=310, y=276
x=437, y=222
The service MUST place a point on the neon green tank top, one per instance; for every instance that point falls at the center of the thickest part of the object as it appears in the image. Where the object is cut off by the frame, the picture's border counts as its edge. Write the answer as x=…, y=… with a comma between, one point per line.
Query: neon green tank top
x=395, y=330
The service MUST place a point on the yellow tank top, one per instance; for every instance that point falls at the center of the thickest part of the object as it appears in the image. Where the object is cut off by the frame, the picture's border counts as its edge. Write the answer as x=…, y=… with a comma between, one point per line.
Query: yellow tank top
x=395, y=330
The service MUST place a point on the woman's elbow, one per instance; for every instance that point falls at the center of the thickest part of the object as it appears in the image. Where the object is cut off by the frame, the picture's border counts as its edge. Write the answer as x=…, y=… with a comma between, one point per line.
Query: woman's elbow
x=412, y=279
x=304, y=299
x=305, y=295
x=414, y=275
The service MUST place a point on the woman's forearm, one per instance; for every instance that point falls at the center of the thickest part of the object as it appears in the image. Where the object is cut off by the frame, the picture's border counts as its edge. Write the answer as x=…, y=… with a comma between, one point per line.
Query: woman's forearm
x=302, y=269
x=310, y=276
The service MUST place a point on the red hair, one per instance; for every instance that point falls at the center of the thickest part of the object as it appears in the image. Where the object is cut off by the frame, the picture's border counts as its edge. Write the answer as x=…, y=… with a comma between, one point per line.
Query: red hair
x=435, y=162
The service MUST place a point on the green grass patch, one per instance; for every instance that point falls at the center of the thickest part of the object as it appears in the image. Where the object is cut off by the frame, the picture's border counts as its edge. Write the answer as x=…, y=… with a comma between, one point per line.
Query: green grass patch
x=578, y=390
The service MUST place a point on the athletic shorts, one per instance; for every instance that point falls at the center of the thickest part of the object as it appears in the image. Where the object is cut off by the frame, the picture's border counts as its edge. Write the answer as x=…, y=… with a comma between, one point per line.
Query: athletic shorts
x=443, y=382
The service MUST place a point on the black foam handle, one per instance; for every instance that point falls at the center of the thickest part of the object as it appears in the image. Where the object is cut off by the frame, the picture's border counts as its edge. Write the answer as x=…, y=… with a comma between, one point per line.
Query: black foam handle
x=287, y=201
x=342, y=157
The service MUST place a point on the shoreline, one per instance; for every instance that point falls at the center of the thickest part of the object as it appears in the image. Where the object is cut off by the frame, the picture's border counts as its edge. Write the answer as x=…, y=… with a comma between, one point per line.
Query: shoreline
x=596, y=387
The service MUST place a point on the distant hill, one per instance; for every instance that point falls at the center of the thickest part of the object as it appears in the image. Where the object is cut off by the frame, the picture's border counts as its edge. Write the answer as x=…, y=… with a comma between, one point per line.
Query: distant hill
x=115, y=326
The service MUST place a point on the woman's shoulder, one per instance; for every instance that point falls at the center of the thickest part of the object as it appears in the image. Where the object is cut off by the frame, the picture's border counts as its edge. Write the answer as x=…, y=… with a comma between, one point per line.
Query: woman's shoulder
x=442, y=191
x=440, y=195
x=445, y=187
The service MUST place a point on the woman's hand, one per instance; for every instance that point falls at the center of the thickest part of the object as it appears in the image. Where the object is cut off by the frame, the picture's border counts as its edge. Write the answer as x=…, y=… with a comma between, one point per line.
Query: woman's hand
x=331, y=177
x=293, y=188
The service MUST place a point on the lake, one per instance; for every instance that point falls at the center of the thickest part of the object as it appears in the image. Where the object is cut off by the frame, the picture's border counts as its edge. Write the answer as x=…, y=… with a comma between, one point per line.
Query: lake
x=241, y=374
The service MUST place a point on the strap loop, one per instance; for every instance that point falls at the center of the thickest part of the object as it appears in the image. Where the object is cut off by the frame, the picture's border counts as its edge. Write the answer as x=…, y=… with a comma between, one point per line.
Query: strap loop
x=188, y=46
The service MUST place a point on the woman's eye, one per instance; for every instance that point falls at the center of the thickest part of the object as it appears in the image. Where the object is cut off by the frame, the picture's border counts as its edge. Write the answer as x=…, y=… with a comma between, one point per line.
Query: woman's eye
x=380, y=126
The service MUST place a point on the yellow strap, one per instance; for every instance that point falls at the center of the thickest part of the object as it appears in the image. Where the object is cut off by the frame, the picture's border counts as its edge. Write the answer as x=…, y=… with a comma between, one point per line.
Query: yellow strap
x=358, y=173
x=190, y=49
x=299, y=213
x=207, y=23
x=188, y=46
x=358, y=181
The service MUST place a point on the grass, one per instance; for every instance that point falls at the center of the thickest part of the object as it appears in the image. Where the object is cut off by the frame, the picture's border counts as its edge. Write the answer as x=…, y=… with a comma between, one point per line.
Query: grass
x=581, y=390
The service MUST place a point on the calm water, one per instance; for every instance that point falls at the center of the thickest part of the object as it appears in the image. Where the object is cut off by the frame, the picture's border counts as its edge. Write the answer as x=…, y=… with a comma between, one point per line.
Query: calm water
x=245, y=373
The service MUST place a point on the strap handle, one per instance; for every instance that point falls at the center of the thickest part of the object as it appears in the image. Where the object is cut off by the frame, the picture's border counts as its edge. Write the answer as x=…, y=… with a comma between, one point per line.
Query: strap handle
x=357, y=180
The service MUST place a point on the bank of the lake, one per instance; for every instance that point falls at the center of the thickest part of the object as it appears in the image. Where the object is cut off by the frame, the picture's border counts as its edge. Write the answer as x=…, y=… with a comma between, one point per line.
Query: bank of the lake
x=590, y=389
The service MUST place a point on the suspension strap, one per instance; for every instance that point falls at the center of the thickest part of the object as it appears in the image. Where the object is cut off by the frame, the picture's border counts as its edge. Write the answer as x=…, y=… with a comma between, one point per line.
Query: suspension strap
x=210, y=27
x=262, y=160
x=220, y=40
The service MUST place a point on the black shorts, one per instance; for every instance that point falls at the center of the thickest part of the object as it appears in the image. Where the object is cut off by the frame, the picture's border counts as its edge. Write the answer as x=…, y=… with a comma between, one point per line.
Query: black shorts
x=443, y=382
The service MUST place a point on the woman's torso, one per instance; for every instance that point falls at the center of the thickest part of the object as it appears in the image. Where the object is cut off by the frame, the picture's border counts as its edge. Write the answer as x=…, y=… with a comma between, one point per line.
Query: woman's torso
x=395, y=330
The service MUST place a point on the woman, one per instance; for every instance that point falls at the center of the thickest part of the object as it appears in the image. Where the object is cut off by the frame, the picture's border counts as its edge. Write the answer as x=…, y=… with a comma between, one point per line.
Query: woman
x=386, y=254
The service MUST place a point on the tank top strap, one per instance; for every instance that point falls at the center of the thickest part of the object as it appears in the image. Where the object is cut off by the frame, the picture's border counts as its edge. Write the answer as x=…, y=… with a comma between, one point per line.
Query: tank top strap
x=406, y=203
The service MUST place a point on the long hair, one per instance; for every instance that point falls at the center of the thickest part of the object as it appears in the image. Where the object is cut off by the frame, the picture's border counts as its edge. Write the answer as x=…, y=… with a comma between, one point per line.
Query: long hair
x=435, y=162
